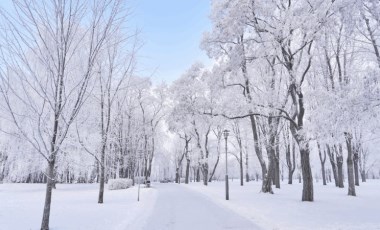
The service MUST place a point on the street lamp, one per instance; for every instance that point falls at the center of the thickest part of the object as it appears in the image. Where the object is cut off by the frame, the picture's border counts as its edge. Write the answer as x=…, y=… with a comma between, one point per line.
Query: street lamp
x=226, y=133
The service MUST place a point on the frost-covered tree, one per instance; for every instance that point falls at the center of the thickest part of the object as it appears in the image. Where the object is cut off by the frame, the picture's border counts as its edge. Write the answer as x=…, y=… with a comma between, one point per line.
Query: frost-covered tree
x=49, y=50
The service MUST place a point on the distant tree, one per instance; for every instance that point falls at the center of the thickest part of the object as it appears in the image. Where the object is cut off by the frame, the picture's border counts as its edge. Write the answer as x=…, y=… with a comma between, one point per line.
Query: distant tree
x=239, y=141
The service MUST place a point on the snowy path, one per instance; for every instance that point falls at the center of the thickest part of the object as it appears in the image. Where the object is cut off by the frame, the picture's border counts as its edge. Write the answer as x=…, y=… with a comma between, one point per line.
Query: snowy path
x=177, y=207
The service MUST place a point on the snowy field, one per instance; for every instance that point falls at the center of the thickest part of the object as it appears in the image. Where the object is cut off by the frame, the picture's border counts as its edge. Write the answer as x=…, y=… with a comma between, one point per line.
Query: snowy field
x=332, y=208
x=73, y=207
x=193, y=206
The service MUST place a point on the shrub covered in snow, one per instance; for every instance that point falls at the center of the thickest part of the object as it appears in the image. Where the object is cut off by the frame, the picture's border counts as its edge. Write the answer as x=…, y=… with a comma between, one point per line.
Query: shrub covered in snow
x=115, y=184
x=140, y=179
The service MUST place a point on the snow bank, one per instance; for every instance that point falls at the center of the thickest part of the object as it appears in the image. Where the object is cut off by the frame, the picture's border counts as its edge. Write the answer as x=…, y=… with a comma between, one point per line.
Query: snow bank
x=115, y=184
x=74, y=207
x=332, y=209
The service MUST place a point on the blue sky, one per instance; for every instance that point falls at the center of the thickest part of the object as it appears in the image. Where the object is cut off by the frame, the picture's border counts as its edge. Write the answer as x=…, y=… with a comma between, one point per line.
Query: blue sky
x=171, y=31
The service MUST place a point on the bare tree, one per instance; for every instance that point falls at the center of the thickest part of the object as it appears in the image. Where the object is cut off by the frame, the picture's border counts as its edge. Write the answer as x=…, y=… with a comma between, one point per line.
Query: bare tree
x=50, y=49
x=152, y=107
x=112, y=73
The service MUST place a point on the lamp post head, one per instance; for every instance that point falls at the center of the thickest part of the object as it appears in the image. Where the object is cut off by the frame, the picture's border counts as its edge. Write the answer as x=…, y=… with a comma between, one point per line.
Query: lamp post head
x=226, y=132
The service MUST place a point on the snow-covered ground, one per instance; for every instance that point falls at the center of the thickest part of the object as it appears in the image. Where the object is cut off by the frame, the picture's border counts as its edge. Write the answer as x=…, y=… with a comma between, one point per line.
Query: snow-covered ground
x=193, y=206
x=179, y=208
x=73, y=207
x=332, y=208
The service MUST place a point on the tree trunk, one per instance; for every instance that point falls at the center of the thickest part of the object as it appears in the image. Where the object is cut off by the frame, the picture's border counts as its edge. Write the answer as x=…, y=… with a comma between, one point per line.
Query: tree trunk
x=290, y=176
x=187, y=171
x=339, y=160
x=149, y=167
x=272, y=170
x=266, y=187
x=307, y=177
x=329, y=176
x=291, y=163
x=324, y=174
x=241, y=169
x=340, y=172
x=269, y=178
x=323, y=160
x=299, y=178
x=333, y=165
x=198, y=176
x=102, y=176
x=48, y=196
x=214, y=169
x=237, y=134
x=246, y=167
x=272, y=160
x=205, y=173
x=350, y=165
x=277, y=166
x=194, y=174
x=203, y=154
x=356, y=168
x=363, y=175
x=177, y=175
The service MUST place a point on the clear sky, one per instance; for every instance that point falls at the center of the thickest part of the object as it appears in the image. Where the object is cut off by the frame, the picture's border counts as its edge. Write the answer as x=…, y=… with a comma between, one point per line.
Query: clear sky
x=171, y=31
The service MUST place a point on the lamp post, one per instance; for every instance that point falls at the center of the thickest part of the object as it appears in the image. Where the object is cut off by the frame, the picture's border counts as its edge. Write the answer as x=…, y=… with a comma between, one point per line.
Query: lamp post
x=226, y=133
